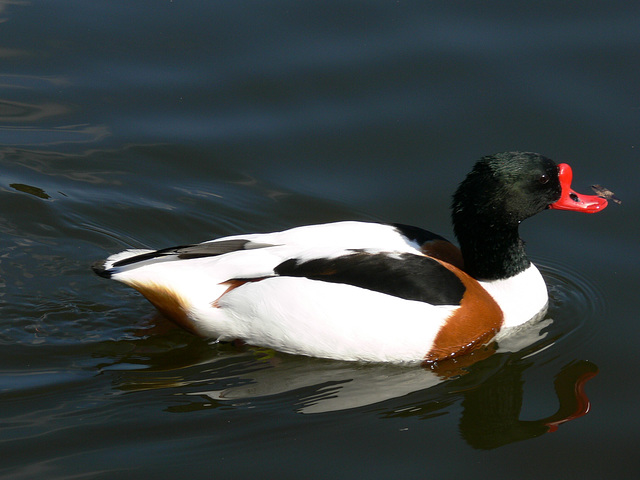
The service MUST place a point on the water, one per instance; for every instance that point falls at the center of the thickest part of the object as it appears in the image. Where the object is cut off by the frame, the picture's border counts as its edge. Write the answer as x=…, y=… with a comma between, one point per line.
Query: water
x=150, y=124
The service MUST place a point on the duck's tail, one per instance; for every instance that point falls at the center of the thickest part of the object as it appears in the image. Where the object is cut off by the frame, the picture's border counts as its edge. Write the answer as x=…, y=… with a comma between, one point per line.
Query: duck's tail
x=135, y=258
x=115, y=263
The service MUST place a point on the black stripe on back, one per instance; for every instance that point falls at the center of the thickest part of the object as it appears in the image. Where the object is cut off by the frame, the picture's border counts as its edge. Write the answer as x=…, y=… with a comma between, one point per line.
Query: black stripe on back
x=417, y=234
x=408, y=276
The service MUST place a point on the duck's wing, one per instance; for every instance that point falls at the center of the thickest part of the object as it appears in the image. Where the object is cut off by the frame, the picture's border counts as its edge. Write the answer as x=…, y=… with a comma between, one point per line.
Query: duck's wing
x=388, y=259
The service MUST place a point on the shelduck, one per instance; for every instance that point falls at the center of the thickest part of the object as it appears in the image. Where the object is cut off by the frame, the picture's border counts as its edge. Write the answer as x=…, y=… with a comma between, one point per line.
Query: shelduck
x=368, y=291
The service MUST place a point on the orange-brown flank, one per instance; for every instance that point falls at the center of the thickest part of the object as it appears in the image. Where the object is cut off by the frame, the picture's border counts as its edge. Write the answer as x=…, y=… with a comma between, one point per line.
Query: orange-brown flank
x=170, y=303
x=445, y=251
x=472, y=325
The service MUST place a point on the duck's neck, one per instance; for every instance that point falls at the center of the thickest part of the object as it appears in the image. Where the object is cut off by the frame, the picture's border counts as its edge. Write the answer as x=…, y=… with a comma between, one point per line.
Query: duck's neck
x=491, y=251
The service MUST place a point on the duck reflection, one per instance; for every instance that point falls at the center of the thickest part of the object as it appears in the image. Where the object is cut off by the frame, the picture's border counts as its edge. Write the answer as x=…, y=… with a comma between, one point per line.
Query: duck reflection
x=490, y=415
x=489, y=385
x=492, y=396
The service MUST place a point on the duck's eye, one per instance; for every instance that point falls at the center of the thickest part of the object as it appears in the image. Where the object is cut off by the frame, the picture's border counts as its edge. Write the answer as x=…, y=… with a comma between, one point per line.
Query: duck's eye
x=544, y=178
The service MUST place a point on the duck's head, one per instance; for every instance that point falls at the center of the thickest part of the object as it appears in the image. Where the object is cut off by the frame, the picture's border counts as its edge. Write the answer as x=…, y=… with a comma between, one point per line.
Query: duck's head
x=509, y=187
x=500, y=192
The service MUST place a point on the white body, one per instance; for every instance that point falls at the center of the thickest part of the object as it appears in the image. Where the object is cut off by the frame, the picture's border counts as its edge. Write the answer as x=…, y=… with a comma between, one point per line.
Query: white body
x=316, y=318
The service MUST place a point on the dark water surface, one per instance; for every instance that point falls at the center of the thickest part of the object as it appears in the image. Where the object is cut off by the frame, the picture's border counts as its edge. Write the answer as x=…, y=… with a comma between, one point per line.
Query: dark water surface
x=154, y=123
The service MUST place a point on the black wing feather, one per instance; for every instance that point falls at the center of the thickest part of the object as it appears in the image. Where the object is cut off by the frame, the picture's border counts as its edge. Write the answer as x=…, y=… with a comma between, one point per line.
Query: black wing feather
x=184, y=252
x=408, y=276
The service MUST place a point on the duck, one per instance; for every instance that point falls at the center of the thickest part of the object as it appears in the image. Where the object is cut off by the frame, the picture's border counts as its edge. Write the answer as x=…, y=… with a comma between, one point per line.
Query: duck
x=364, y=291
